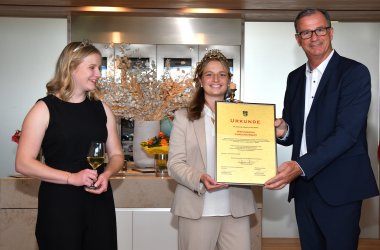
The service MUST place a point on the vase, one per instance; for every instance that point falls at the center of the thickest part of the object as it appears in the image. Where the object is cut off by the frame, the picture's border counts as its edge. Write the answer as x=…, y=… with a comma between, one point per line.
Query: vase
x=142, y=131
x=161, y=165
x=166, y=125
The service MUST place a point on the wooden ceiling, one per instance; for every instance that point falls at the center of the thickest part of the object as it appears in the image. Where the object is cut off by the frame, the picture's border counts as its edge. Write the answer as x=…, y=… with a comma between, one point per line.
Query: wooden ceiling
x=250, y=10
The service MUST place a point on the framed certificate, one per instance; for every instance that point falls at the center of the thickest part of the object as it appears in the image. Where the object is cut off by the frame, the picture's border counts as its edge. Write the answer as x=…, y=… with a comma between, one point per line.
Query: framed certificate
x=245, y=143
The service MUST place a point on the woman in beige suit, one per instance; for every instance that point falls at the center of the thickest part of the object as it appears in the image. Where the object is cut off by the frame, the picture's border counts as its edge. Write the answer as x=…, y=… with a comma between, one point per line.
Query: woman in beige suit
x=210, y=214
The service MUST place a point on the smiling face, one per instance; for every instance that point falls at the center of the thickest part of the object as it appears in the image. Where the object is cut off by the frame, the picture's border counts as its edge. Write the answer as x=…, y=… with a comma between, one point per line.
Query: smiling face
x=215, y=80
x=317, y=48
x=86, y=74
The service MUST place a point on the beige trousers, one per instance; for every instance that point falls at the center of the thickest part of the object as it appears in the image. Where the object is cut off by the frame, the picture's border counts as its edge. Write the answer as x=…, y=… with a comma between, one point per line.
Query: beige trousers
x=216, y=232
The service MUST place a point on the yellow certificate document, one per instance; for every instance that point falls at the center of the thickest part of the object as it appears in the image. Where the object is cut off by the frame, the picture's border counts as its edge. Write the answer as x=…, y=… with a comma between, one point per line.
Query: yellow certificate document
x=245, y=143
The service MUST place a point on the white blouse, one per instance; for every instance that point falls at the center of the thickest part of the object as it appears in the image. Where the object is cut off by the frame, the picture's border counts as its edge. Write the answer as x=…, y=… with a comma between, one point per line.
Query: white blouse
x=216, y=203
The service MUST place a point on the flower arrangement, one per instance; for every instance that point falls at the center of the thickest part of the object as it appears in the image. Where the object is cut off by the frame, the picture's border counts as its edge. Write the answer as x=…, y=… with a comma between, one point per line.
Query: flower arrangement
x=157, y=145
x=139, y=95
x=16, y=136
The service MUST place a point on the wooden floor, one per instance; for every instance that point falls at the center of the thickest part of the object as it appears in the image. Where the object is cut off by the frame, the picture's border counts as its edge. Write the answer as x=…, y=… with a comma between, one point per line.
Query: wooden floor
x=293, y=244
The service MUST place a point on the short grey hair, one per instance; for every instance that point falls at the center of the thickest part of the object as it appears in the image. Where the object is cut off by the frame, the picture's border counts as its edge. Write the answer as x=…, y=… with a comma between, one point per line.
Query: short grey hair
x=309, y=12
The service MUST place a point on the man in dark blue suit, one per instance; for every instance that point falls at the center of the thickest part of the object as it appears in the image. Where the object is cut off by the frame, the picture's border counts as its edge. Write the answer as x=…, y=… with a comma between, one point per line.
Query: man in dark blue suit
x=325, y=118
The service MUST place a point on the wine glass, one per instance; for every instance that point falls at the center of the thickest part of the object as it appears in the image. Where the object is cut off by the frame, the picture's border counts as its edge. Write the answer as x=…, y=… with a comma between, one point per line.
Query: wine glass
x=95, y=156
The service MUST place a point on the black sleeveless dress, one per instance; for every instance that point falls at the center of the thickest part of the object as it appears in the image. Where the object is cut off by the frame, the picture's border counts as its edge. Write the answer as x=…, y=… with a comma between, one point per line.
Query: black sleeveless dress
x=69, y=218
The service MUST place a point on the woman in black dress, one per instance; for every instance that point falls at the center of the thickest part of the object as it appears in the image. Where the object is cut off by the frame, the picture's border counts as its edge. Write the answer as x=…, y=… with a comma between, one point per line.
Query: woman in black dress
x=70, y=215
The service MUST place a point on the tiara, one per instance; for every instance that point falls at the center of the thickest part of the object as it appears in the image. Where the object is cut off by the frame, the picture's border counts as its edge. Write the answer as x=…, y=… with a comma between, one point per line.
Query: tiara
x=214, y=54
x=82, y=45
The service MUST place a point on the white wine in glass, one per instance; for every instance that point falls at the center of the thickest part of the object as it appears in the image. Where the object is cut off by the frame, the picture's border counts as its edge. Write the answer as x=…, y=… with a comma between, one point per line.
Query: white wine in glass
x=95, y=161
x=95, y=156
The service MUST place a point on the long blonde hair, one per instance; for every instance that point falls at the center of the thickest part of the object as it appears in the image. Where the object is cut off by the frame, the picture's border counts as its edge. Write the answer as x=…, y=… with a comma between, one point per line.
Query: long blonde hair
x=72, y=55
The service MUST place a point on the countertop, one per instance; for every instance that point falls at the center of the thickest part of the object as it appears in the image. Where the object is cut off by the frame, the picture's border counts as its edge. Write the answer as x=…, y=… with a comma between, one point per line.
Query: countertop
x=131, y=189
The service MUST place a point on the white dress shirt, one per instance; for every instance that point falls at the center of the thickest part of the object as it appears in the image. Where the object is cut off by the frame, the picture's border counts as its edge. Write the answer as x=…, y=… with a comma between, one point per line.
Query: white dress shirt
x=313, y=77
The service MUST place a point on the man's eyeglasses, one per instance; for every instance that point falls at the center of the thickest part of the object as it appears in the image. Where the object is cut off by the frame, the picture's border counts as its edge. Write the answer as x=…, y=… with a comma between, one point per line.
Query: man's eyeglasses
x=309, y=33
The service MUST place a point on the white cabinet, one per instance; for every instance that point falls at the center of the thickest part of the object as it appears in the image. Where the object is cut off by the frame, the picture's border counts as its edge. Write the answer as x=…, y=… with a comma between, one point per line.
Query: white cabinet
x=124, y=220
x=146, y=228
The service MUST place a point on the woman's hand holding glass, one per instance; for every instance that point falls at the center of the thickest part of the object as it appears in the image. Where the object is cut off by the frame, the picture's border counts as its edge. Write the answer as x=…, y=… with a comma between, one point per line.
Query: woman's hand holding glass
x=85, y=177
x=95, y=158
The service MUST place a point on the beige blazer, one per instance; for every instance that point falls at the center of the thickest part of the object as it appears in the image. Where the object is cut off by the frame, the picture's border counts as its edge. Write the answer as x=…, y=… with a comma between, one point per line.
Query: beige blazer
x=186, y=164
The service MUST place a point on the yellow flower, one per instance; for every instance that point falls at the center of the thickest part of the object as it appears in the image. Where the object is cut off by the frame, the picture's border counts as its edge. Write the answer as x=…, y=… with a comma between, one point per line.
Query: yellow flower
x=157, y=150
x=156, y=145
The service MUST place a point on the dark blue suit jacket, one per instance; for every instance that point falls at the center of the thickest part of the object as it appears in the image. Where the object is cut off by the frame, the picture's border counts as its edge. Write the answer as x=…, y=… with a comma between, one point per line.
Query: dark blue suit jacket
x=337, y=160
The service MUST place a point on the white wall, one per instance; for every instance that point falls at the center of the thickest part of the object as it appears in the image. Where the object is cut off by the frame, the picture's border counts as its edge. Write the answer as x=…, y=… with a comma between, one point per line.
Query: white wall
x=29, y=49
x=270, y=53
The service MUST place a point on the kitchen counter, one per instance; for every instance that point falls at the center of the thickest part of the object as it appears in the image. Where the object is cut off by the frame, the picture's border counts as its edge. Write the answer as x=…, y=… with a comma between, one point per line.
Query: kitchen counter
x=133, y=190
x=18, y=203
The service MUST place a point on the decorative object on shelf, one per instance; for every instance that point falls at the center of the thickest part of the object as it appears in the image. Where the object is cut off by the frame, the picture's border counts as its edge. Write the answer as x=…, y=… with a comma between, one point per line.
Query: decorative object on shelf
x=140, y=95
x=166, y=125
x=161, y=165
x=159, y=147
x=142, y=131
x=159, y=144
x=232, y=90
